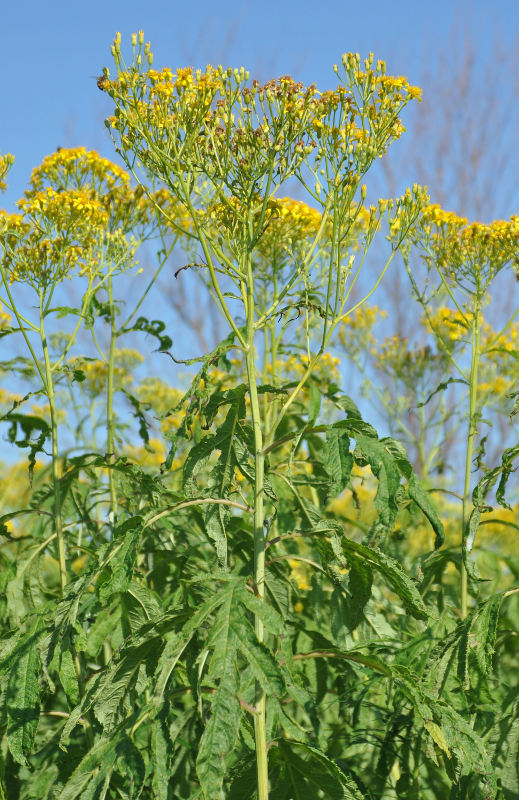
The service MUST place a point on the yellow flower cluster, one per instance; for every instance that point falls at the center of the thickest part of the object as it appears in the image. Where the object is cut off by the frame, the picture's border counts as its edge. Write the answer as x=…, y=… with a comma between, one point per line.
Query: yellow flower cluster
x=508, y=341
x=7, y=398
x=438, y=216
x=497, y=387
x=293, y=367
x=79, y=167
x=293, y=217
x=449, y=325
x=149, y=456
x=77, y=203
x=401, y=84
x=35, y=255
x=65, y=209
x=6, y=163
x=171, y=211
x=96, y=370
x=218, y=125
x=161, y=398
x=5, y=318
x=395, y=357
x=287, y=222
x=355, y=333
x=473, y=252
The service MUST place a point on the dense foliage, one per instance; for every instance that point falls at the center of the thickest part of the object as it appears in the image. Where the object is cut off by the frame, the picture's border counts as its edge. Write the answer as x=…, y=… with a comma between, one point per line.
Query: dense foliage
x=231, y=586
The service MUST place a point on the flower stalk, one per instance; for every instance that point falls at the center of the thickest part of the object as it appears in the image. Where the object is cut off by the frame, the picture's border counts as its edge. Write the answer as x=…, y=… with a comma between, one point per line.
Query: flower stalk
x=473, y=417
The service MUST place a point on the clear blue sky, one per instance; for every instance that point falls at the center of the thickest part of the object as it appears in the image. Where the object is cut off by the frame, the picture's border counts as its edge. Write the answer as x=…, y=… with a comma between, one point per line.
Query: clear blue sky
x=51, y=50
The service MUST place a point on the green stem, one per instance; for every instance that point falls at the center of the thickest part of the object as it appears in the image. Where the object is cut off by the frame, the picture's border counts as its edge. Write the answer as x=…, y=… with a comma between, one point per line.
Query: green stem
x=58, y=520
x=19, y=320
x=259, y=538
x=472, y=434
x=49, y=389
x=110, y=422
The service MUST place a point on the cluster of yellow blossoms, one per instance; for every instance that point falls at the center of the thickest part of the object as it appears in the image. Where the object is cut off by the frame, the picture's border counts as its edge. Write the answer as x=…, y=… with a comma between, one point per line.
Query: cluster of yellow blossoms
x=95, y=371
x=6, y=163
x=355, y=333
x=218, y=124
x=472, y=252
x=161, y=399
x=77, y=204
x=5, y=318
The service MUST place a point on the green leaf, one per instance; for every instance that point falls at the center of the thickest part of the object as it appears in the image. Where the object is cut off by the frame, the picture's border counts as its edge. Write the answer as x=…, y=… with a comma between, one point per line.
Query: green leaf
x=234, y=397
x=140, y=605
x=23, y=697
x=441, y=388
x=396, y=577
x=272, y=620
x=117, y=575
x=423, y=501
x=509, y=772
x=360, y=582
x=154, y=327
x=221, y=731
x=301, y=771
x=35, y=432
x=139, y=415
x=384, y=466
x=67, y=675
x=94, y=769
x=337, y=460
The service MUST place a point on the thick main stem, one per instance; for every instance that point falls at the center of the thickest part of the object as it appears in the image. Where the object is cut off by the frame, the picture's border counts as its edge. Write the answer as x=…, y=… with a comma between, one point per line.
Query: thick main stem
x=259, y=542
x=58, y=520
x=472, y=433
x=110, y=422
x=49, y=388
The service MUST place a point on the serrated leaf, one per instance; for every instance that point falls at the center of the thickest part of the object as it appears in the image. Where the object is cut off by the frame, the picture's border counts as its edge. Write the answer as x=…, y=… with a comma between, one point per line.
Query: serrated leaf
x=396, y=577
x=422, y=500
x=437, y=736
x=67, y=675
x=220, y=733
x=23, y=698
x=337, y=460
x=509, y=772
x=304, y=771
x=272, y=620
x=92, y=771
x=263, y=664
x=140, y=605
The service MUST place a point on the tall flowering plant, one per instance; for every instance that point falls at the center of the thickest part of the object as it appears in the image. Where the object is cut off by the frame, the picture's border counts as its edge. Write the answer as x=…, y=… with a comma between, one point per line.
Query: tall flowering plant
x=467, y=258
x=224, y=147
x=217, y=629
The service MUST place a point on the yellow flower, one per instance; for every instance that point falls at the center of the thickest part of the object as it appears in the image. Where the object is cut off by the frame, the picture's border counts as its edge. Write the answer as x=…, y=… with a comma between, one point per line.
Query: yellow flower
x=6, y=163
x=5, y=318
x=96, y=370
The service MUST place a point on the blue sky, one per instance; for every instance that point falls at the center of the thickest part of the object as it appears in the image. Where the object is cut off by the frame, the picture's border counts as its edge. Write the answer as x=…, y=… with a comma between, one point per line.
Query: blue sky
x=50, y=51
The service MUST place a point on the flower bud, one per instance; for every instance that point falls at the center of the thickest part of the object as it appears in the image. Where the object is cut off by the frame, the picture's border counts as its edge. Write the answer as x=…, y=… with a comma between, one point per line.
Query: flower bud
x=117, y=42
x=141, y=38
x=363, y=192
x=134, y=39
